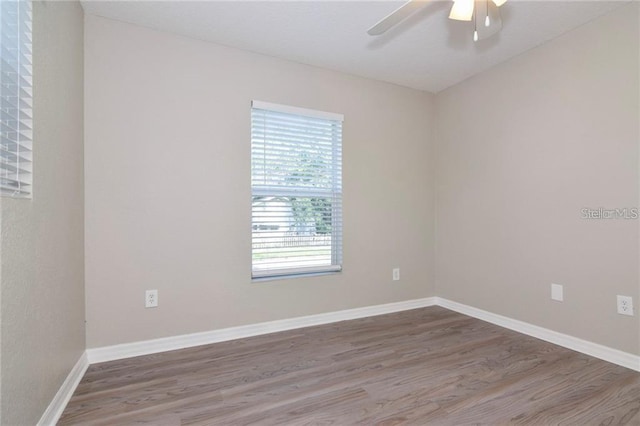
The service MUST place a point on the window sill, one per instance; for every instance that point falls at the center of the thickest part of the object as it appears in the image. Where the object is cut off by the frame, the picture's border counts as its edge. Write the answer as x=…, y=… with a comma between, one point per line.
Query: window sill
x=292, y=276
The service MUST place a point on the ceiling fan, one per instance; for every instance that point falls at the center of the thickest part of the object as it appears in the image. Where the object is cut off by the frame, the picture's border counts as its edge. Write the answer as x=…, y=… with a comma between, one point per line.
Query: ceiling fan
x=485, y=15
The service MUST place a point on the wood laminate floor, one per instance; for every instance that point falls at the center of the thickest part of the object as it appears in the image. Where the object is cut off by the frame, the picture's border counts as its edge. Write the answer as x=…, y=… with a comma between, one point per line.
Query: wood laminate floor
x=427, y=366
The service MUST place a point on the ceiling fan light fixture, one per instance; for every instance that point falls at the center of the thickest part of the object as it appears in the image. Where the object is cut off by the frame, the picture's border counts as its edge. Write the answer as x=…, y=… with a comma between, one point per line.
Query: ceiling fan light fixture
x=462, y=10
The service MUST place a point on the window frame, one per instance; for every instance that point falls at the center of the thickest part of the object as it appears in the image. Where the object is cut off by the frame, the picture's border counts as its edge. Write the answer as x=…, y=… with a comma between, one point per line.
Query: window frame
x=16, y=96
x=333, y=193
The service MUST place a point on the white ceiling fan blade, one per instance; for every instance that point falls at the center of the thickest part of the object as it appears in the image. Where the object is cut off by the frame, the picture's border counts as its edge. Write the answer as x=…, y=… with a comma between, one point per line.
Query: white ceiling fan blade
x=462, y=10
x=397, y=16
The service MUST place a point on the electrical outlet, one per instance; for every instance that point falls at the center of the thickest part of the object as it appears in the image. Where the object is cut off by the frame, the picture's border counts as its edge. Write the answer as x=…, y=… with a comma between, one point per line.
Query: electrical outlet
x=396, y=274
x=151, y=299
x=557, y=292
x=625, y=305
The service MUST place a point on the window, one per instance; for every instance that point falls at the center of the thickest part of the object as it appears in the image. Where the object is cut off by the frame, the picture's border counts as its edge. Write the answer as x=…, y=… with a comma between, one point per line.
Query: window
x=15, y=98
x=296, y=189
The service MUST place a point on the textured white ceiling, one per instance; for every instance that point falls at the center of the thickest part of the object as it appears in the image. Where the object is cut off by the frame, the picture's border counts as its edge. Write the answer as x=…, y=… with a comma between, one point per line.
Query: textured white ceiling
x=427, y=51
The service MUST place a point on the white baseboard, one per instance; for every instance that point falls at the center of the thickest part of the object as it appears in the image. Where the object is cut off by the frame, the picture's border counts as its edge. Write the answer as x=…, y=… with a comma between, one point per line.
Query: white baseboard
x=146, y=347
x=127, y=350
x=605, y=353
x=59, y=402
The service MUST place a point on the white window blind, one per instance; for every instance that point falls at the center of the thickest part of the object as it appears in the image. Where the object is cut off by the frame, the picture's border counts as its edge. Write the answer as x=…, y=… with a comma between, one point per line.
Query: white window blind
x=16, y=98
x=296, y=188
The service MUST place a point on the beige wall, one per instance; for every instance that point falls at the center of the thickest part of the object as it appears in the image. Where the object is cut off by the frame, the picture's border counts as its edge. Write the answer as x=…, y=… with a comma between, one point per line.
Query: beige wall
x=42, y=254
x=521, y=149
x=168, y=186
